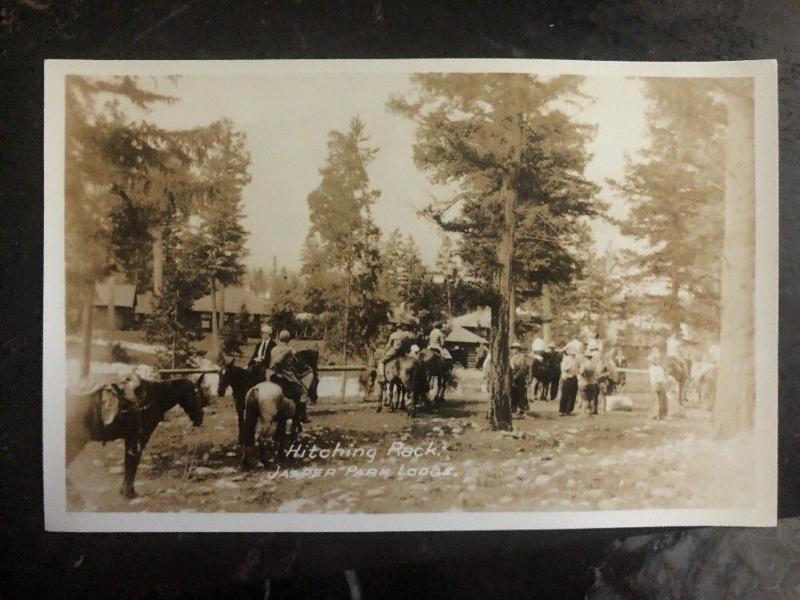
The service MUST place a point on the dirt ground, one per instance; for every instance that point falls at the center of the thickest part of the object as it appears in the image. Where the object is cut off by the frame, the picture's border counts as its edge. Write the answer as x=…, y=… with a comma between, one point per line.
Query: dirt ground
x=616, y=460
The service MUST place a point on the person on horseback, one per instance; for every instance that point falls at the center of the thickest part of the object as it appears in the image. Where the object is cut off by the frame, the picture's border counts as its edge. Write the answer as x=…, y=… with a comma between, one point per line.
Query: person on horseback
x=436, y=341
x=398, y=344
x=283, y=363
x=262, y=355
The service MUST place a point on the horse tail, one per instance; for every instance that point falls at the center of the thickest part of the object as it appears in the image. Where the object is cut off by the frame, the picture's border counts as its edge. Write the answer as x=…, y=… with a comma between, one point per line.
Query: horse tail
x=252, y=412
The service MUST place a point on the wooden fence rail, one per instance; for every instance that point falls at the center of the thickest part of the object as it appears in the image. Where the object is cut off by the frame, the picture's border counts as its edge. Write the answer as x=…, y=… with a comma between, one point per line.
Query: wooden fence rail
x=322, y=369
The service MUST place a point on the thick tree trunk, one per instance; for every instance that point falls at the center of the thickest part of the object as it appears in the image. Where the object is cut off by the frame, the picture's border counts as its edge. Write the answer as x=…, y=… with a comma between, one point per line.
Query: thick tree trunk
x=735, y=400
x=158, y=260
x=500, y=375
x=87, y=310
x=547, y=314
x=214, y=325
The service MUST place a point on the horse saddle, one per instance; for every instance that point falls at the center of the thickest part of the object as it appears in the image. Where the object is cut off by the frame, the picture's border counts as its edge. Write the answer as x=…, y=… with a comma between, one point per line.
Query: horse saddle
x=290, y=387
x=109, y=404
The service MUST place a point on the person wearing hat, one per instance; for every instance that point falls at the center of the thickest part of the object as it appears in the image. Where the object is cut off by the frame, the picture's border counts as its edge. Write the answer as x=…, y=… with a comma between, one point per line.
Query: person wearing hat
x=590, y=371
x=283, y=367
x=261, y=359
x=436, y=340
x=569, y=380
x=398, y=344
x=658, y=383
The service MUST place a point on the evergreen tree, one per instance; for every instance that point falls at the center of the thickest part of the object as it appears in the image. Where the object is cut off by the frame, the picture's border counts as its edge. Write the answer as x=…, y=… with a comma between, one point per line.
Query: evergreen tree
x=235, y=334
x=675, y=190
x=518, y=160
x=340, y=256
x=257, y=281
x=95, y=121
x=172, y=326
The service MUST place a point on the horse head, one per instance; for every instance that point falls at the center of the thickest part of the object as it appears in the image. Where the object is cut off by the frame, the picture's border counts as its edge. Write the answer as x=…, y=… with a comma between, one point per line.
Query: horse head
x=192, y=399
x=307, y=370
x=224, y=377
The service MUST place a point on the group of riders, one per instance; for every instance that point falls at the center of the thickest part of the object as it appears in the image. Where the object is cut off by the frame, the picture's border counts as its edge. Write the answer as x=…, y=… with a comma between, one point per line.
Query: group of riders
x=578, y=369
x=277, y=362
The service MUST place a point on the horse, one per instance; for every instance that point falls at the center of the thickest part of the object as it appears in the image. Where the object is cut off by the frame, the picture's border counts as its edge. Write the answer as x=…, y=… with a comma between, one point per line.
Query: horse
x=266, y=403
x=415, y=376
x=131, y=412
x=239, y=380
x=438, y=368
x=546, y=373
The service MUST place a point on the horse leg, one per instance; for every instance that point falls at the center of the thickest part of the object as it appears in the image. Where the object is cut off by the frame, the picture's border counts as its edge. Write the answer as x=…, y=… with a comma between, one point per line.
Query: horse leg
x=134, y=446
x=239, y=403
x=133, y=453
x=251, y=416
x=280, y=437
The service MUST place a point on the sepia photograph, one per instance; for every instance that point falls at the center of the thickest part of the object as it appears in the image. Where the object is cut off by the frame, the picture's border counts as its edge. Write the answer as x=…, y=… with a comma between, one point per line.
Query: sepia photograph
x=409, y=295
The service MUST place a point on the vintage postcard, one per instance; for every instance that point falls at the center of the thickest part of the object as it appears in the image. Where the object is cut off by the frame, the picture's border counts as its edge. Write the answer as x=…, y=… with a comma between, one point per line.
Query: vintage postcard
x=409, y=295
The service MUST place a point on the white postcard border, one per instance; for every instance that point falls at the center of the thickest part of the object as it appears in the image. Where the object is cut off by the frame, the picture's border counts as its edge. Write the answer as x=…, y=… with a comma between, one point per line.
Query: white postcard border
x=57, y=518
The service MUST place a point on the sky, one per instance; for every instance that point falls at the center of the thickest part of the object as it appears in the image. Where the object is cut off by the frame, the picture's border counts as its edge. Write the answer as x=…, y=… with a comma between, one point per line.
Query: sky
x=287, y=117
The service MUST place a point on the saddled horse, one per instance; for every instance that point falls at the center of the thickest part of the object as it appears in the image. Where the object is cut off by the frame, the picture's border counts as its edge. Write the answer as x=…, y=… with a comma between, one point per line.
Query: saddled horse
x=439, y=370
x=267, y=403
x=546, y=373
x=129, y=411
x=394, y=386
x=239, y=380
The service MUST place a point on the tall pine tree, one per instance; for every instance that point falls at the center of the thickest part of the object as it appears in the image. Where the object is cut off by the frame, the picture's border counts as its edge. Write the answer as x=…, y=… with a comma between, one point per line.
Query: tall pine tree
x=675, y=191
x=518, y=159
x=340, y=257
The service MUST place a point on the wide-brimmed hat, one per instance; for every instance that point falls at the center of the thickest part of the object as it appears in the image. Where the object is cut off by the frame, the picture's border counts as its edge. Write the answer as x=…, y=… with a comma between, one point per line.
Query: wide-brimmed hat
x=284, y=336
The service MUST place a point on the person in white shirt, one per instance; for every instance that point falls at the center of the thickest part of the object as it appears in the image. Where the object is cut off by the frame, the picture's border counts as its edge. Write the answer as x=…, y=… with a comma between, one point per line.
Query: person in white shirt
x=658, y=383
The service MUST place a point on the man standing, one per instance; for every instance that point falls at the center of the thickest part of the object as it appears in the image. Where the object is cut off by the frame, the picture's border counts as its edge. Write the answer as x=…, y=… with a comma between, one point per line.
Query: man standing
x=569, y=379
x=283, y=365
x=589, y=373
x=261, y=359
x=658, y=383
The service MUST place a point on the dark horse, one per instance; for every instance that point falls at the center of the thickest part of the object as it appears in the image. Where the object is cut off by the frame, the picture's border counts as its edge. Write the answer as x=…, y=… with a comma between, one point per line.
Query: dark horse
x=239, y=380
x=130, y=411
x=546, y=373
x=438, y=369
x=267, y=402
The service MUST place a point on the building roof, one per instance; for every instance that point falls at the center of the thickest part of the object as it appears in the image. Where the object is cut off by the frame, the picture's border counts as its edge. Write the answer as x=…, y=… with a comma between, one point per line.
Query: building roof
x=477, y=319
x=235, y=299
x=123, y=294
x=459, y=335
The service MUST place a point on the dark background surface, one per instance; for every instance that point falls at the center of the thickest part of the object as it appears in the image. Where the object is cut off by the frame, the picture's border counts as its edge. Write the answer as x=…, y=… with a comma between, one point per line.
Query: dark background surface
x=34, y=563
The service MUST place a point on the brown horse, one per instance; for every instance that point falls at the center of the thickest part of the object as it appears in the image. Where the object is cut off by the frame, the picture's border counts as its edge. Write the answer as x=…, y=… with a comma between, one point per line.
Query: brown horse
x=130, y=411
x=266, y=403
x=439, y=370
